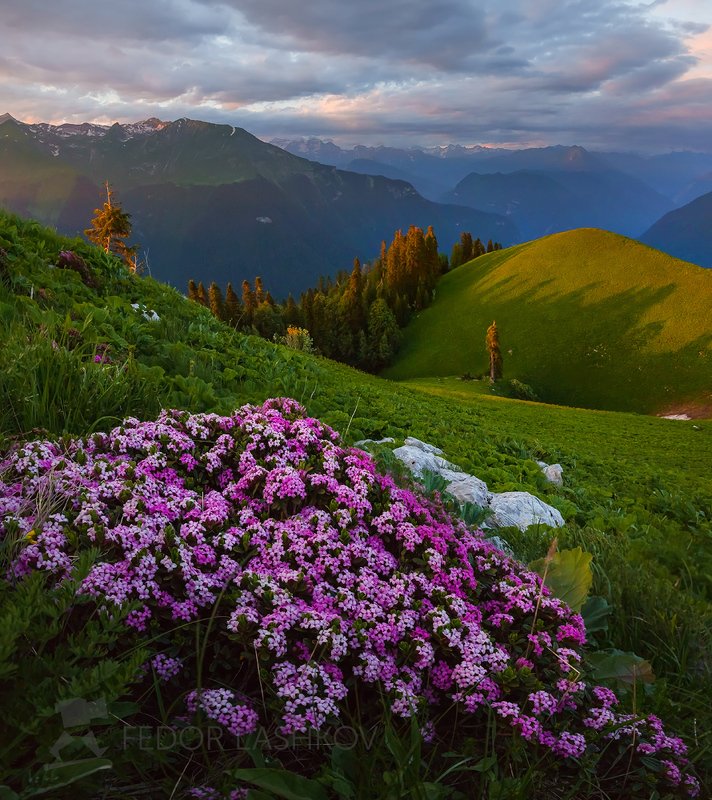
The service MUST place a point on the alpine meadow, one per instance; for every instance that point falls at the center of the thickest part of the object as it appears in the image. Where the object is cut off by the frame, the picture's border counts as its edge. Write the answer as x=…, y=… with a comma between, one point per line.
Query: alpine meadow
x=356, y=400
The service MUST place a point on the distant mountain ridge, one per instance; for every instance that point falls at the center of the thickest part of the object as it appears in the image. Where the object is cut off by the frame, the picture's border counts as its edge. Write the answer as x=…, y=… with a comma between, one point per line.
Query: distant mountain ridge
x=557, y=188
x=685, y=232
x=213, y=202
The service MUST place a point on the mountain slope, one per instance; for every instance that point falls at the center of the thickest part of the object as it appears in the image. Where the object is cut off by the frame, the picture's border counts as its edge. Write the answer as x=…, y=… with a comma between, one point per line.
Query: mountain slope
x=685, y=232
x=587, y=317
x=213, y=202
x=543, y=202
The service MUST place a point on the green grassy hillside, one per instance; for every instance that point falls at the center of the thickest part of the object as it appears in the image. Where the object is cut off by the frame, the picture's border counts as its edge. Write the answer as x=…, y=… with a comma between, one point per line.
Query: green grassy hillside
x=587, y=318
x=77, y=357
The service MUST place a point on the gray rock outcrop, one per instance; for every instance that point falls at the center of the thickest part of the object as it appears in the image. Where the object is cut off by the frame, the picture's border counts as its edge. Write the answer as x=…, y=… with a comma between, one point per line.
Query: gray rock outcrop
x=519, y=509
x=522, y=510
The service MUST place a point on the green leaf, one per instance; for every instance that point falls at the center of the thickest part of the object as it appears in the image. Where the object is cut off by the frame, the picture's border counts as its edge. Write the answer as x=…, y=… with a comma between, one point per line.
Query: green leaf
x=54, y=777
x=568, y=576
x=6, y=792
x=436, y=791
x=595, y=613
x=282, y=783
x=619, y=668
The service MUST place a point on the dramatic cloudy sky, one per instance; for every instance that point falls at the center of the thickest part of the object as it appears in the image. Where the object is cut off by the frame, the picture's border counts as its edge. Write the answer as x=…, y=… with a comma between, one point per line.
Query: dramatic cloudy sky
x=605, y=73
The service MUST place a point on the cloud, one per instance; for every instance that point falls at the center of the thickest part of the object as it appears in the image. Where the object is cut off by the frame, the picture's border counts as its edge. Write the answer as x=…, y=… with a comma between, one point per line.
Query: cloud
x=567, y=71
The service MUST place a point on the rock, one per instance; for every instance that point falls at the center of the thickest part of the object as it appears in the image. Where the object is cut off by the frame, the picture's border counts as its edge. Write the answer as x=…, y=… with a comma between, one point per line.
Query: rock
x=500, y=544
x=387, y=440
x=418, y=460
x=521, y=510
x=411, y=441
x=554, y=473
x=467, y=488
x=419, y=456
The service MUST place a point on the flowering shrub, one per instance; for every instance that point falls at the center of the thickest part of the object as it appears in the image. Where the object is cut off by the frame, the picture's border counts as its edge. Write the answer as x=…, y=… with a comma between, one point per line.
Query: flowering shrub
x=329, y=587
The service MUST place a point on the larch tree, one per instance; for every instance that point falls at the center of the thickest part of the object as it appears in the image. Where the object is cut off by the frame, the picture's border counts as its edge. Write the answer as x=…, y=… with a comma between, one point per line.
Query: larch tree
x=215, y=299
x=495, y=355
x=110, y=228
x=233, y=309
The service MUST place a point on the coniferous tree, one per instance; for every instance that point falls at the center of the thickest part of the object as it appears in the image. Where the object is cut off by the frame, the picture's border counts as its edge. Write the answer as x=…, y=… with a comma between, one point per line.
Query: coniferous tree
x=352, y=302
x=233, y=311
x=292, y=315
x=467, y=250
x=259, y=291
x=383, y=334
x=215, y=298
x=192, y=291
x=456, y=258
x=495, y=355
x=110, y=228
x=248, y=303
x=203, y=296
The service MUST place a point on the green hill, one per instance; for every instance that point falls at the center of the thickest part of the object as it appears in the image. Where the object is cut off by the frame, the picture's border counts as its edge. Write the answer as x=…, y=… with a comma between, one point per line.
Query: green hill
x=82, y=349
x=587, y=318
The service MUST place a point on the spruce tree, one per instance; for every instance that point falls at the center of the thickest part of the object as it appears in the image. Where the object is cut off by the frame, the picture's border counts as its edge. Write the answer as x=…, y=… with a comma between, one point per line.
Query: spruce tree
x=203, y=296
x=110, y=228
x=192, y=291
x=495, y=355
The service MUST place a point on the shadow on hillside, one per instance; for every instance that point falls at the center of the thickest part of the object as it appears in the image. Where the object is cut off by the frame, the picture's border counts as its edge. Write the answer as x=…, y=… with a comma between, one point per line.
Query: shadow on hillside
x=575, y=350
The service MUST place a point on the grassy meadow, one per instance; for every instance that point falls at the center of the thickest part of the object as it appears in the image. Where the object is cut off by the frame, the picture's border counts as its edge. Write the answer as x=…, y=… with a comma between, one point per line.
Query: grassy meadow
x=637, y=494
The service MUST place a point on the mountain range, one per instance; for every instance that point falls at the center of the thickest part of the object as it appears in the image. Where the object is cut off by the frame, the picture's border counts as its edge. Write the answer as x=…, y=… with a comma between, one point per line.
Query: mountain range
x=542, y=190
x=213, y=202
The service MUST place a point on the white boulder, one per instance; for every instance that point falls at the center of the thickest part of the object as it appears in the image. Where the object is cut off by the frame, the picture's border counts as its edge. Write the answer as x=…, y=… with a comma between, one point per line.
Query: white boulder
x=418, y=461
x=467, y=488
x=411, y=441
x=554, y=473
x=420, y=456
x=521, y=510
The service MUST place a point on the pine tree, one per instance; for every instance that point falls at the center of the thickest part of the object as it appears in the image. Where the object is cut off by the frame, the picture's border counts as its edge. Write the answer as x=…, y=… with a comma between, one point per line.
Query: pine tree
x=495, y=355
x=192, y=291
x=203, y=296
x=233, y=311
x=110, y=228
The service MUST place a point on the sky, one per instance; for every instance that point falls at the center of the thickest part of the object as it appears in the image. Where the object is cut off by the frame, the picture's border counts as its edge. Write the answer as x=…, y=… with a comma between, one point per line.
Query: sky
x=605, y=74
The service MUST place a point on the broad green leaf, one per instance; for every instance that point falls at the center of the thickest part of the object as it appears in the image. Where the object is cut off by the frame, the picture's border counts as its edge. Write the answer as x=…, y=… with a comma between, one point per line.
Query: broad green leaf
x=595, y=613
x=568, y=576
x=619, y=668
x=282, y=783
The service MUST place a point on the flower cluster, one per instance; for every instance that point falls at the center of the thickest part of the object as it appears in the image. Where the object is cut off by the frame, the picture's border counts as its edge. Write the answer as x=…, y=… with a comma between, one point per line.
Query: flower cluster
x=221, y=706
x=331, y=578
